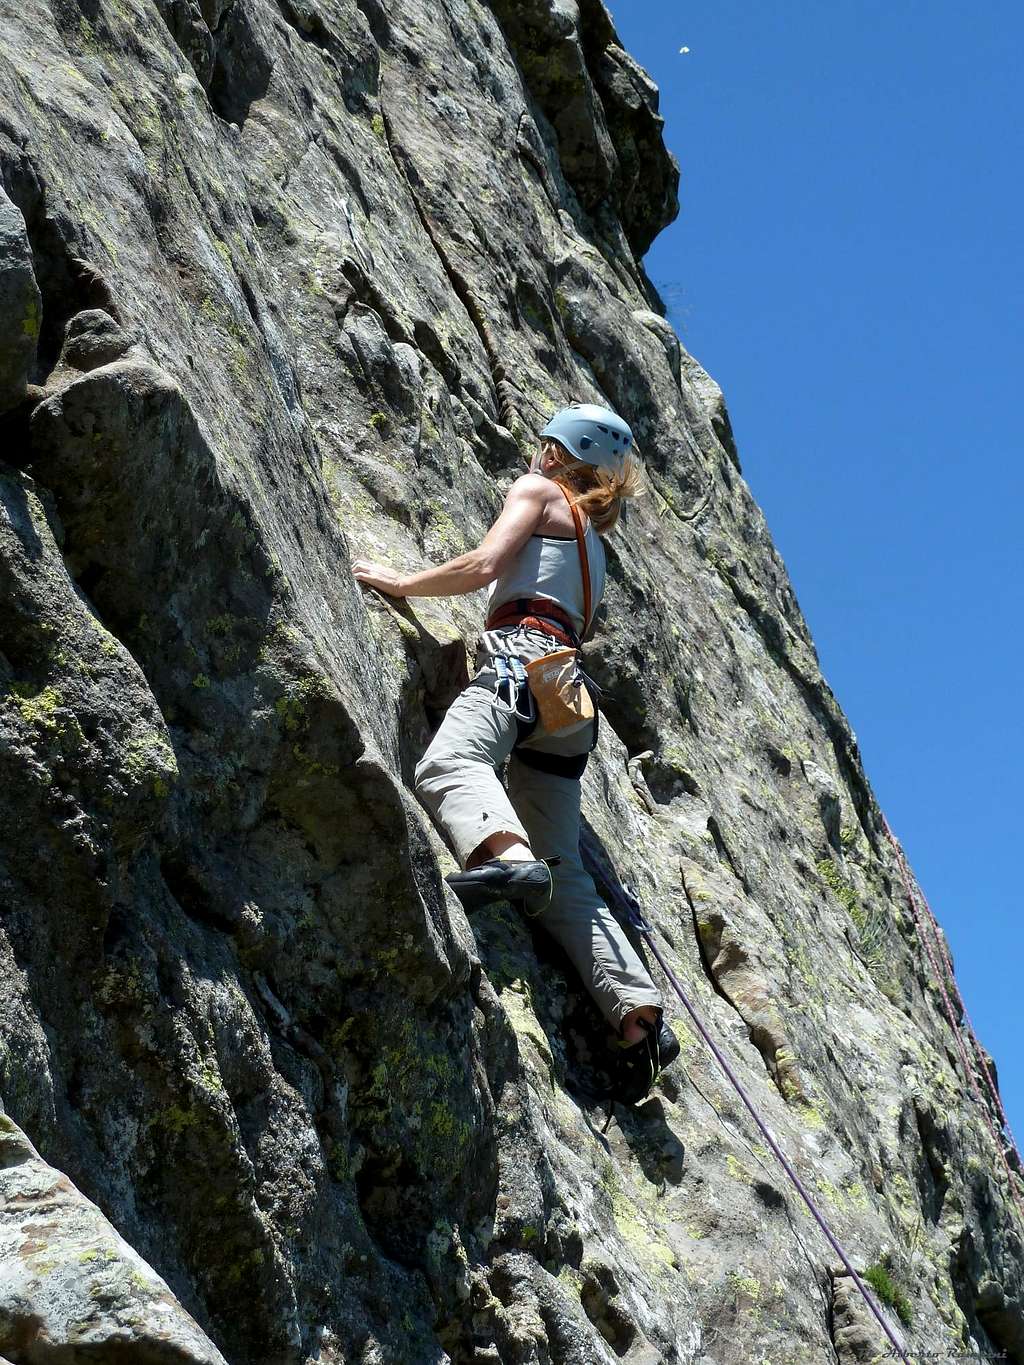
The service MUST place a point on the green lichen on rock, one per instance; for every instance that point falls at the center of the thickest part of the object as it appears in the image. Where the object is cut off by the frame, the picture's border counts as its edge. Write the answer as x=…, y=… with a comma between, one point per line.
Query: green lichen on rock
x=843, y=891
x=30, y=322
x=293, y=705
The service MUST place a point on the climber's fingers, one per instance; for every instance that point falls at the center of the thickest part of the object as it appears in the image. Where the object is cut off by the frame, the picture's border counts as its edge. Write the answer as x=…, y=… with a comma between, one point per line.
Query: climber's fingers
x=378, y=576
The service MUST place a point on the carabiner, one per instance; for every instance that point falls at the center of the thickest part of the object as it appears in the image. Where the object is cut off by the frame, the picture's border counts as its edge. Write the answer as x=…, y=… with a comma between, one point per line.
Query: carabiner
x=509, y=669
x=522, y=684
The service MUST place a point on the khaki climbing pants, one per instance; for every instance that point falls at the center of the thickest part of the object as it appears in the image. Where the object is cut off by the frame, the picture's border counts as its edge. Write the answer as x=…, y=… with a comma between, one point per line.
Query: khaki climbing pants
x=457, y=780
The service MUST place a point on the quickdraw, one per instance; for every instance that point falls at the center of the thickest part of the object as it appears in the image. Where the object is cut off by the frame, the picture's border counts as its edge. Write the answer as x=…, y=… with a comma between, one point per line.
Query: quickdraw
x=511, y=674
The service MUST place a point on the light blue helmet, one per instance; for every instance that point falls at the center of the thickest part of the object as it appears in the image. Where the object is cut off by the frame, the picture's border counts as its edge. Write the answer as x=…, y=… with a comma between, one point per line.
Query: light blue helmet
x=593, y=434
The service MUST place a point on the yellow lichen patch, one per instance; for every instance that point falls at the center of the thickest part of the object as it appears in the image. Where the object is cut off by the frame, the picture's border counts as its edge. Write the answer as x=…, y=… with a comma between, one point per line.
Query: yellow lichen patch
x=150, y=757
x=802, y=962
x=636, y=1226
x=737, y=1170
x=846, y=1198
x=36, y=707
x=811, y=1115
x=571, y=1278
x=746, y=1294
x=210, y=1078
x=442, y=534
x=520, y=1012
x=292, y=706
x=843, y=891
x=857, y=1195
x=30, y=322
x=566, y=1113
x=832, y=1193
x=642, y=1238
x=898, y=1191
x=312, y=766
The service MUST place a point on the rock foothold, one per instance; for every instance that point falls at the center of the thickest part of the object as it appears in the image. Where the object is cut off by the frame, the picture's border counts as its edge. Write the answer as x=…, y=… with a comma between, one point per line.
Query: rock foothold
x=92, y=338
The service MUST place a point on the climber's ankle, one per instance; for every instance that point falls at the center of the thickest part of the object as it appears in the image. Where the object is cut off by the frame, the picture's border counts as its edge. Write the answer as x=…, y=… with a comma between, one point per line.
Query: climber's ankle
x=509, y=847
x=632, y=1030
x=500, y=845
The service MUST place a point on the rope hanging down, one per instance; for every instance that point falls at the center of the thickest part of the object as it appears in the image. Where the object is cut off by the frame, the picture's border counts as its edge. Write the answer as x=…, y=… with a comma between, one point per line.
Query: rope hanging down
x=940, y=977
x=629, y=906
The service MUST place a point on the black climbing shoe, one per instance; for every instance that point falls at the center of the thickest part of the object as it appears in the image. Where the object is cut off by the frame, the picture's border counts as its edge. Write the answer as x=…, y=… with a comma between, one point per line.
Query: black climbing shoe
x=636, y=1066
x=498, y=880
x=668, y=1044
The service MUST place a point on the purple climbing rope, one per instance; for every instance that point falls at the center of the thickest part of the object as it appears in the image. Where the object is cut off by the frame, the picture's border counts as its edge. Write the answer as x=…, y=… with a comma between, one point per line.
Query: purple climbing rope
x=635, y=916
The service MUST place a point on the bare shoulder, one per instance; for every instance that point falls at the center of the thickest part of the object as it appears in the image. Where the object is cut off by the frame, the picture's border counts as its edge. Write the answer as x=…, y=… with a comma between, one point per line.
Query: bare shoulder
x=530, y=490
x=533, y=487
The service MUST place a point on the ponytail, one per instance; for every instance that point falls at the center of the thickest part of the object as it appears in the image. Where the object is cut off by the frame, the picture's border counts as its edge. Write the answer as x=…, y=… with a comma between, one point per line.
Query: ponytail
x=597, y=489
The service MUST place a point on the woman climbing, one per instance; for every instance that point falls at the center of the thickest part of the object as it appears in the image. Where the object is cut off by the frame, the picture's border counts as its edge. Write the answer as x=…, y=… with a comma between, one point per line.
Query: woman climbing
x=523, y=844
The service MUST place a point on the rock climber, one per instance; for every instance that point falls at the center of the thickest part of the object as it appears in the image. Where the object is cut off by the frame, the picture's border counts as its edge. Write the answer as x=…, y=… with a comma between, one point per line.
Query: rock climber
x=522, y=844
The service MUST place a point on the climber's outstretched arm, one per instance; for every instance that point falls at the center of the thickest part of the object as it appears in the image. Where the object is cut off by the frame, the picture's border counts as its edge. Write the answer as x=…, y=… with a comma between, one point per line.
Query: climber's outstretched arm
x=520, y=516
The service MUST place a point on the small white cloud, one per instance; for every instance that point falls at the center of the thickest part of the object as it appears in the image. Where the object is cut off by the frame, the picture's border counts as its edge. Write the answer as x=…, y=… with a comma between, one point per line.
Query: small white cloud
x=684, y=49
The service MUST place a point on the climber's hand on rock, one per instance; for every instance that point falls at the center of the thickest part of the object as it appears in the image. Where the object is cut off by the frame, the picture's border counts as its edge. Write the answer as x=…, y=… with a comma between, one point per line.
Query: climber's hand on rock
x=378, y=576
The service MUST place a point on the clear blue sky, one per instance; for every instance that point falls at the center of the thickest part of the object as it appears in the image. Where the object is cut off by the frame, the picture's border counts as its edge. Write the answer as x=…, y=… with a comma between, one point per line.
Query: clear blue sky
x=847, y=265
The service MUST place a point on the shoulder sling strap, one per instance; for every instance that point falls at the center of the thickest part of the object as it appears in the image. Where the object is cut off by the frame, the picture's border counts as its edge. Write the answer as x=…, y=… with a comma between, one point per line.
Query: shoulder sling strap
x=584, y=559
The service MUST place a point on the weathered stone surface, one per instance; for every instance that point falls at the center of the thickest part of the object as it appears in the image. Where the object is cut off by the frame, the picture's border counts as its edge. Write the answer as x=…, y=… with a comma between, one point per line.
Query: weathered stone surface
x=311, y=274
x=91, y=339
x=20, y=306
x=71, y=1289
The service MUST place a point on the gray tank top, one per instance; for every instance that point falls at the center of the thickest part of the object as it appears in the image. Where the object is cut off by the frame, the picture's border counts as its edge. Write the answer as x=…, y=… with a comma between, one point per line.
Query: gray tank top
x=549, y=566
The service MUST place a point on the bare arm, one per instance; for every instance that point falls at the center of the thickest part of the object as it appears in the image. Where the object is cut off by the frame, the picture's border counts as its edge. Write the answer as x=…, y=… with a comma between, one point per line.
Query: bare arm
x=520, y=517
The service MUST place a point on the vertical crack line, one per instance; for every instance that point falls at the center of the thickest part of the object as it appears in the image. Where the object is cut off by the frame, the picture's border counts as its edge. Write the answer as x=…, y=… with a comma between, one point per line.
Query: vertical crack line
x=702, y=952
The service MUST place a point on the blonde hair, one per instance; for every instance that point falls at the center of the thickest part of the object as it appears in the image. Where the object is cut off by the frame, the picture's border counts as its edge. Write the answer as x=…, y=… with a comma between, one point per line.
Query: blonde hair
x=597, y=490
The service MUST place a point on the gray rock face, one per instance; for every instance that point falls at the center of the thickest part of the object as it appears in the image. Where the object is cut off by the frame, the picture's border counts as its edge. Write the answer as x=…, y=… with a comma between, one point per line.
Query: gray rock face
x=70, y=1287
x=20, y=306
x=311, y=274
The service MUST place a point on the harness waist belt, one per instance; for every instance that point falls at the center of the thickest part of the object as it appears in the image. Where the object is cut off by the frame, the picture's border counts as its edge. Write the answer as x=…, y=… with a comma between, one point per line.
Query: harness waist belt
x=539, y=612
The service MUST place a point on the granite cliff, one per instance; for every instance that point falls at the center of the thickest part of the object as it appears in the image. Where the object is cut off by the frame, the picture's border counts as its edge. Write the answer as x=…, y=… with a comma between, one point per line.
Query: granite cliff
x=286, y=282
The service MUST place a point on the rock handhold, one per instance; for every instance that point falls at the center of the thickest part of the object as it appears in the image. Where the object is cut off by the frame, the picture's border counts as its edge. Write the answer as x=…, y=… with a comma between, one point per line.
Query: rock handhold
x=91, y=339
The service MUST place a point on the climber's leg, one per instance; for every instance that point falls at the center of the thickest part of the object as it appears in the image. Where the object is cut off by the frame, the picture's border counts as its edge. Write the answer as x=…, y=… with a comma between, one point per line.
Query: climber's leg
x=457, y=782
x=549, y=807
